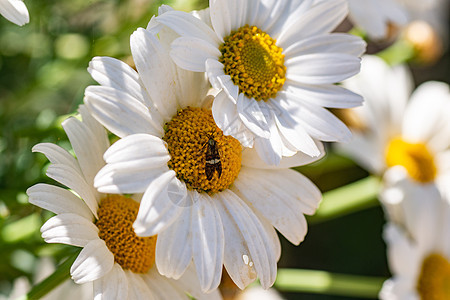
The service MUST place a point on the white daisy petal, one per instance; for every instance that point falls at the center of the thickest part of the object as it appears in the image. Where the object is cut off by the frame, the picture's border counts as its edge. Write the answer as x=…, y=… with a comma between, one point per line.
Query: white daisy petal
x=265, y=13
x=156, y=70
x=86, y=146
x=236, y=259
x=140, y=290
x=114, y=285
x=270, y=150
x=323, y=17
x=248, y=248
x=185, y=94
x=256, y=13
x=73, y=180
x=162, y=203
x=208, y=242
x=264, y=149
x=171, y=259
x=287, y=196
x=214, y=69
x=15, y=11
x=136, y=147
x=322, y=68
x=161, y=287
x=225, y=113
x=126, y=178
x=57, y=155
x=132, y=163
x=227, y=16
x=253, y=115
x=191, y=53
x=227, y=119
x=321, y=123
x=287, y=13
x=401, y=252
x=187, y=25
x=252, y=160
x=292, y=130
x=327, y=43
x=271, y=232
x=324, y=95
x=101, y=137
x=111, y=72
x=419, y=222
x=70, y=229
x=93, y=262
x=57, y=200
x=121, y=113
x=427, y=113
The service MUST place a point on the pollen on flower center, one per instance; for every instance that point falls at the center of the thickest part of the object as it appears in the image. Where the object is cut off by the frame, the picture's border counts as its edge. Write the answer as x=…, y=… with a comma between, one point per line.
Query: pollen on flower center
x=415, y=158
x=116, y=215
x=434, y=278
x=254, y=62
x=201, y=156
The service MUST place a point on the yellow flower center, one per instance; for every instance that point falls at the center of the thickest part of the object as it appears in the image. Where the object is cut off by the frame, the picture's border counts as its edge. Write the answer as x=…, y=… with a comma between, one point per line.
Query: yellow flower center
x=434, y=279
x=415, y=158
x=116, y=215
x=201, y=156
x=254, y=62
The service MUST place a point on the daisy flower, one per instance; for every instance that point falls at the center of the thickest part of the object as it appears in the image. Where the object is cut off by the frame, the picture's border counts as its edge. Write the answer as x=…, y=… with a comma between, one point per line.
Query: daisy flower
x=414, y=133
x=119, y=263
x=207, y=200
x=419, y=251
x=276, y=63
x=14, y=11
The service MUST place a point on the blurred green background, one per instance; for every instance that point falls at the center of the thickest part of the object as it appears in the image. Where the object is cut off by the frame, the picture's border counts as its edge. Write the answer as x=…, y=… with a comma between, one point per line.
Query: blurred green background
x=42, y=80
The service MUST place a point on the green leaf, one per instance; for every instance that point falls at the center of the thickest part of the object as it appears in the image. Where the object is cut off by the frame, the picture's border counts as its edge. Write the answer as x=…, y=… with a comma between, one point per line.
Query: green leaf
x=351, y=198
x=321, y=282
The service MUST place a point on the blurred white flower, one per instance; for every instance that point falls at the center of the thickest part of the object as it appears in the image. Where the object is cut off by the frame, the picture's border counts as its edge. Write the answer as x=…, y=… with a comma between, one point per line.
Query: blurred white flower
x=207, y=200
x=120, y=264
x=275, y=63
x=14, y=11
x=414, y=134
x=419, y=248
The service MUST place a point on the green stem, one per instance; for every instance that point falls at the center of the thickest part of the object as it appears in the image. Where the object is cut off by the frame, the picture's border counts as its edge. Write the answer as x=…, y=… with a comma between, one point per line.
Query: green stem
x=59, y=276
x=348, y=199
x=321, y=282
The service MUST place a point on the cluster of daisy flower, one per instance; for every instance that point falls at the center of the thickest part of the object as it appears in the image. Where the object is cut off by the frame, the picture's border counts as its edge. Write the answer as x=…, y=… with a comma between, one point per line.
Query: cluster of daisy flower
x=218, y=109
x=181, y=163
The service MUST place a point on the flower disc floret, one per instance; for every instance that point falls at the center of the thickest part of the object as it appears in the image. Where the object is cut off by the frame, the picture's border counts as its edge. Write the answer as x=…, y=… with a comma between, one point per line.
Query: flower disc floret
x=187, y=136
x=415, y=158
x=254, y=62
x=116, y=215
x=434, y=279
